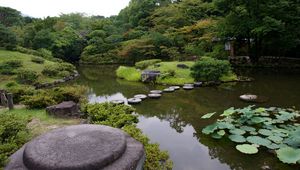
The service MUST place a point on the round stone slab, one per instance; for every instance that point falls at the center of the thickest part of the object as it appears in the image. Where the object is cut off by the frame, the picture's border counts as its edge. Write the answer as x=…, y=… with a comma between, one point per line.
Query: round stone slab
x=117, y=101
x=169, y=90
x=134, y=100
x=175, y=87
x=156, y=91
x=141, y=96
x=75, y=147
x=154, y=96
x=188, y=87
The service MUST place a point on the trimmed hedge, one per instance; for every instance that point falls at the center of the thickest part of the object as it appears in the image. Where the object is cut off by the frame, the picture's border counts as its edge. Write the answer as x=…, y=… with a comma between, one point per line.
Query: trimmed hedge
x=146, y=63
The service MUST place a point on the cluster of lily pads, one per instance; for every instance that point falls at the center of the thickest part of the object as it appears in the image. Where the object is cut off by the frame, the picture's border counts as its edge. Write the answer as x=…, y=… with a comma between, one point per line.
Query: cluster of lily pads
x=253, y=128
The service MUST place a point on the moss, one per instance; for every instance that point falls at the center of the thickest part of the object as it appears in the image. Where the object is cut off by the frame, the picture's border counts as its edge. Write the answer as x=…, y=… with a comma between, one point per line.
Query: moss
x=128, y=73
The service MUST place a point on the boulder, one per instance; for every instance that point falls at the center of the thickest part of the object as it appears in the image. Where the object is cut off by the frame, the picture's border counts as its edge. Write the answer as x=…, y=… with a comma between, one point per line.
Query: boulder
x=64, y=109
x=183, y=66
x=80, y=147
x=150, y=76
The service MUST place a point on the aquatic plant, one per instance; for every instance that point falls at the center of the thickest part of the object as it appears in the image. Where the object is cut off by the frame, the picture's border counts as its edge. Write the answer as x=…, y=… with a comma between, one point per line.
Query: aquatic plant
x=256, y=128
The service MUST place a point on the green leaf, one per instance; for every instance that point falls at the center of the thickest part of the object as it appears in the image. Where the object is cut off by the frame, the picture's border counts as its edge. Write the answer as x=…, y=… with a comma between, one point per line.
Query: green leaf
x=237, y=138
x=288, y=155
x=237, y=131
x=224, y=125
x=265, y=132
x=228, y=112
x=210, y=128
x=258, y=140
x=208, y=115
x=273, y=146
x=221, y=132
x=247, y=149
x=276, y=139
x=247, y=128
x=216, y=136
x=256, y=120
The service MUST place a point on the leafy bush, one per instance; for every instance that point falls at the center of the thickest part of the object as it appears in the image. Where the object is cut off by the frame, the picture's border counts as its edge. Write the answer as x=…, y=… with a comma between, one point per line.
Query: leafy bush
x=167, y=74
x=42, y=52
x=66, y=67
x=13, y=134
x=50, y=70
x=37, y=60
x=119, y=116
x=9, y=67
x=128, y=73
x=209, y=69
x=11, y=84
x=25, y=76
x=63, y=74
x=146, y=63
x=19, y=91
x=44, y=98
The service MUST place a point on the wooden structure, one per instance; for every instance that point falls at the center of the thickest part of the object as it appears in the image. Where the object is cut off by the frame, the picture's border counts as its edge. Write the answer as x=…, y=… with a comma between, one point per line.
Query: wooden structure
x=6, y=99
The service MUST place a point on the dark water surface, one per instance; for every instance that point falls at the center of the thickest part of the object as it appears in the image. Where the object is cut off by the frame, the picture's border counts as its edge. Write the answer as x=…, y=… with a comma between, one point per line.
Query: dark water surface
x=174, y=121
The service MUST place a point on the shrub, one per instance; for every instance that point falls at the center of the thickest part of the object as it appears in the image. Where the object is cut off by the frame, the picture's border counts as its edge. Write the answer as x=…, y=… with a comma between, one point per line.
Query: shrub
x=66, y=67
x=25, y=76
x=146, y=63
x=9, y=67
x=13, y=134
x=11, y=84
x=44, y=98
x=209, y=69
x=42, y=52
x=38, y=60
x=20, y=91
x=128, y=73
x=63, y=74
x=51, y=70
x=168, y=74
x=119, y=116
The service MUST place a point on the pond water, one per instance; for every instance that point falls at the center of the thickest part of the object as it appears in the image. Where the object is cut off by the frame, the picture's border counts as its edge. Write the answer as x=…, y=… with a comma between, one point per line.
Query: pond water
x=174, y=121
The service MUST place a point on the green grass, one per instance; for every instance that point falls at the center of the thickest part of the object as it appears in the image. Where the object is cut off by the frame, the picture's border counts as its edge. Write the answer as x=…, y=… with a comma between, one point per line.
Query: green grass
x=40, y=121
x=128, y=73
x=27, y=64
x=181, y=76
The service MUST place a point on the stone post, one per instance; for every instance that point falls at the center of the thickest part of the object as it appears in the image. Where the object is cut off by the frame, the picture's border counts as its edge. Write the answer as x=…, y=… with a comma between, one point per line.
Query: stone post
x=10, y=102
x=3, y=99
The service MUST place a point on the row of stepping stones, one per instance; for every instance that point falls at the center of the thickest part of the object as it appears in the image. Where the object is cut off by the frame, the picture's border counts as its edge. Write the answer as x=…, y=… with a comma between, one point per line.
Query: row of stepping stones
x=156, y=94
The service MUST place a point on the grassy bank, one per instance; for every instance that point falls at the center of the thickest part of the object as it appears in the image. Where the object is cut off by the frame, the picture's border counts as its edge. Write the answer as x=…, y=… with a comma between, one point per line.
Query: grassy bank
x=27, y=62
x=170, y=73
x=39, y=121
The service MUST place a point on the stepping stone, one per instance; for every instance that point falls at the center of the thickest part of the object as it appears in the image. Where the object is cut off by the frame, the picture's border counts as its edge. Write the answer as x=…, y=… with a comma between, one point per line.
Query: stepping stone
x=188, y=87
x=79, y=147
x=141, y=96
x=169, y=90
x=175, y=87
x=117, y=101
x=134, y=100
x=192, y=85
x=64, y=109
x=198, y=84
x=254, y=98
x=154, y=96
x=156, y=91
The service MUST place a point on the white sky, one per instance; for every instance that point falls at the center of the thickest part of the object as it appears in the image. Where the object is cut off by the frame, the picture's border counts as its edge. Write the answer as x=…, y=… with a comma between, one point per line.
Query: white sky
x=44, y=8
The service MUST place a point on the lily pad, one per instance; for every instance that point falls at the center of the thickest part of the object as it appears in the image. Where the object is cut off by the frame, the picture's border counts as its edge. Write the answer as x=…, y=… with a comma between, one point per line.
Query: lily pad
x=237, y=138
x=210, y=128
x=228, y=112
x=237, y=131
x=273, y=146
x=257, y=120
x=247, y=128
x=288, y=155
x=208, y=115
x=258, y=140
x=247, y=149
x=224, y=125
x=276, y=139
x=216, y=136
x=221, y=132
x=265, y=132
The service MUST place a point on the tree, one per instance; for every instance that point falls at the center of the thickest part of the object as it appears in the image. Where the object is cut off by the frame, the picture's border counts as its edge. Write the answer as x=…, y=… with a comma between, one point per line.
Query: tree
x=10, y=17
x=8, y=39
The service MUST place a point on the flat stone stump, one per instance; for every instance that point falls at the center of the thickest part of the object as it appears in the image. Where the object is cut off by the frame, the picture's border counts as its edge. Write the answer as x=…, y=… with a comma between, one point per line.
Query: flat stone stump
x=80, y=147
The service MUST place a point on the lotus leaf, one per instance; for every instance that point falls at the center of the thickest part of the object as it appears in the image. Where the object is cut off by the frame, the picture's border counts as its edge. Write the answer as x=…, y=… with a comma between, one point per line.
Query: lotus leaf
x=216, y=136
x=210, y=128
x=237, y=131
x=208, y=115
x=247, y=149
x=260, y=110
x=273, y=146
x=288, y=155
x=265, y=132
x=221, y=132
x=237, y=138
x=224, y=125
x=256, y=120
x=276, y=139
x=228, y=112
x=253, y=133
x=258, y=140
x=247, y=128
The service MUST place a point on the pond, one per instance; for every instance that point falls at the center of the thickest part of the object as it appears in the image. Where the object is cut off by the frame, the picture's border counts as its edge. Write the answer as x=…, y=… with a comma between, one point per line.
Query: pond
x=174, y=121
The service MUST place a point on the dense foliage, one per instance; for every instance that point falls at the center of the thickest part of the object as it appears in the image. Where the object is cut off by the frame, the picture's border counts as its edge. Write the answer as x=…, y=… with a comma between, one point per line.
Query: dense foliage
x=13, y=134
x=121, y=116
x=209, y=69
x=257, y=128
x=164, y=29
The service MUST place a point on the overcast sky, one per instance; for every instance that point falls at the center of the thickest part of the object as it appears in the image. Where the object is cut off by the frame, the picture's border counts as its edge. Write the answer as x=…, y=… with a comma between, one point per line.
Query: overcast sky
x=44, y=8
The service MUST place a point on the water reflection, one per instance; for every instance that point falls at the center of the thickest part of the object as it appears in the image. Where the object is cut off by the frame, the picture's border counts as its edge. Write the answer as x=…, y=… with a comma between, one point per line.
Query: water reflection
x=174, y=121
